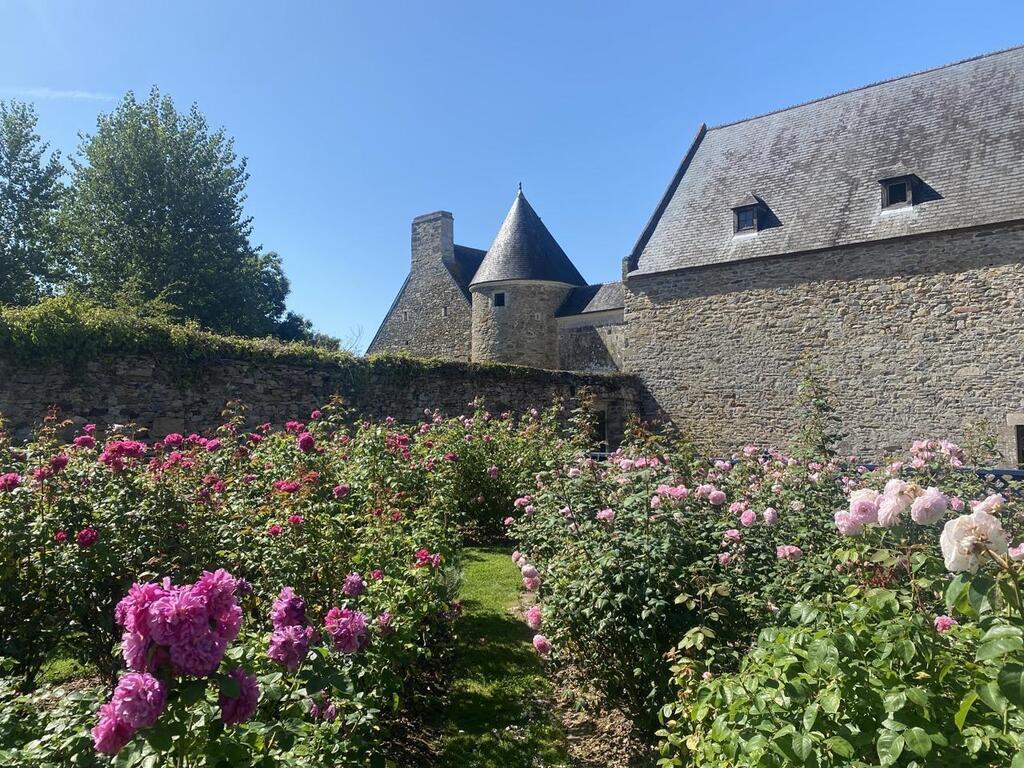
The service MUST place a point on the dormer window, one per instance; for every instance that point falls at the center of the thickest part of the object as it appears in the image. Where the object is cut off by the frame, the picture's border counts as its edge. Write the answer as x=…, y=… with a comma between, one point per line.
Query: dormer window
x=746, y=219
x=748, y=215
x=898, y=191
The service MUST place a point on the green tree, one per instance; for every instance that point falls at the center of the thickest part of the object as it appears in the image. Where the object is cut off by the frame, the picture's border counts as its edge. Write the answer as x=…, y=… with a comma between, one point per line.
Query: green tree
x=30, y=191
x=155, y=213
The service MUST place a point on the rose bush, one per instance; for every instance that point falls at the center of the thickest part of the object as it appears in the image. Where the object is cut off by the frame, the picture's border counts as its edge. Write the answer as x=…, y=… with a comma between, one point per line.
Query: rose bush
x=635, y=553
x=655, y=571
x=904, y=664
x=362, y=522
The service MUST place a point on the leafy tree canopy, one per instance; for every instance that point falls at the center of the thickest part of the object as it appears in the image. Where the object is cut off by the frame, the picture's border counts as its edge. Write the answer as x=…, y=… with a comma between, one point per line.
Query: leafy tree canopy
x=155, y=213
x=30, y=191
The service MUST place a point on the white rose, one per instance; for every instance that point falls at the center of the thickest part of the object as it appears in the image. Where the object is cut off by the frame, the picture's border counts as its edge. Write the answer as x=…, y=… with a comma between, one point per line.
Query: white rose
x=965, y=538
x=991, y=503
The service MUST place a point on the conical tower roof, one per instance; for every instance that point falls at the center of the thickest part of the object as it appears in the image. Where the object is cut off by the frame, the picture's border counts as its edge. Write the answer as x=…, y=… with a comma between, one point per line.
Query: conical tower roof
x=525, y=250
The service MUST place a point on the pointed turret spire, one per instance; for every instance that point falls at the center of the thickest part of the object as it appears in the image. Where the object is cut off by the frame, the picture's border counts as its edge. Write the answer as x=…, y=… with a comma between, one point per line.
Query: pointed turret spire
x=525, y=250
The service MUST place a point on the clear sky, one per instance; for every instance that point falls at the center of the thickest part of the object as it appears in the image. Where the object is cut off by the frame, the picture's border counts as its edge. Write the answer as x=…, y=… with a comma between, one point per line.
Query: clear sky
x=356, y=117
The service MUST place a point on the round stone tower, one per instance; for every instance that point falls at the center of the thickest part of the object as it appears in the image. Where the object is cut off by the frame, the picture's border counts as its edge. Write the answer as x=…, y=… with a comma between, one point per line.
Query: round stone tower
x=521, y=283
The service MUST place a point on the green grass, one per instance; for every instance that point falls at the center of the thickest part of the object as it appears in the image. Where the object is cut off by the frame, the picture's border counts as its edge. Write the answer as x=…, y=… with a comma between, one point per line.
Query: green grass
x=499, y=711
x=62, y=669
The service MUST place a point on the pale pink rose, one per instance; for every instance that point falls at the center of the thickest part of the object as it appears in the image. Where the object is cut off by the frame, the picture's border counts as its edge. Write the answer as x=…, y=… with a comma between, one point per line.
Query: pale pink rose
x=724, y=558
x=716, y=497
x=944, y=623
x=848, y=524
x=607, y=515
x=956, y=503
x=771, y=517
x=733, y=535
x=896, y=499
x=864, y=505
x=1016, y=553
x=655, y=502
x=748, y=518
x=788, y=552
x=928, y=507
x=542, y=644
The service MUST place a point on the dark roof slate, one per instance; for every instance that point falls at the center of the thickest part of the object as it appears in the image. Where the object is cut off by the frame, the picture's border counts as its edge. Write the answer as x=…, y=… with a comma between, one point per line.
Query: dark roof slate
x=592, y=298
x=466, y=263
x=524, y=249
x=959, y=128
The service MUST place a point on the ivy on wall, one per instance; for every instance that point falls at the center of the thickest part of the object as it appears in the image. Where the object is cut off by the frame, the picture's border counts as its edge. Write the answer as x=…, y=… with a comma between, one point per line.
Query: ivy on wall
x=70, y=331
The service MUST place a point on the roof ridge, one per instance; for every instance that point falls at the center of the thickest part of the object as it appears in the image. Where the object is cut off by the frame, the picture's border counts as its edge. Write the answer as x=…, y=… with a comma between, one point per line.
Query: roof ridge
x=868, y=85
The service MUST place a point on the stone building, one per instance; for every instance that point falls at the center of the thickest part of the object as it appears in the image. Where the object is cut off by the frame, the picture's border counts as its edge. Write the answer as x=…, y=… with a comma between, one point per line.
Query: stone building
x=522, y=301
x=876, y=234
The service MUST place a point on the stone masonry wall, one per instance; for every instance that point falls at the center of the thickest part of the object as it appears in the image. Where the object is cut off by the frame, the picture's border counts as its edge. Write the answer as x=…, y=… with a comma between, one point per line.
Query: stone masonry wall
x=598, y=346
x=431, y=316
x=916, y=337
x=164, y=397
x=524, y=331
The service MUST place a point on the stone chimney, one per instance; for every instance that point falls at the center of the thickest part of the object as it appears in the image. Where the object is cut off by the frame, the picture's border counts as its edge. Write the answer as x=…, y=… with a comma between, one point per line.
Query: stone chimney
x=433, y=239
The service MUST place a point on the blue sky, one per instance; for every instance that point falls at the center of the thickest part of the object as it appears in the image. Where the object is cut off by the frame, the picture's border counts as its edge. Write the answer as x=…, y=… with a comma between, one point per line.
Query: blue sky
x=356, y=117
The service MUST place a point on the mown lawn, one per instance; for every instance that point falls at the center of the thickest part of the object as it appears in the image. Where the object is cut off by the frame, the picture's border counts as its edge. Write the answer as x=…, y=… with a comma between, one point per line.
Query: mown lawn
x=499, y=708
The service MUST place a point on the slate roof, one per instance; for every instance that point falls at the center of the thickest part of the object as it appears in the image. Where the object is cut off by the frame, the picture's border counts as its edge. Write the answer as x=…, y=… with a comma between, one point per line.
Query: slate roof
x=592, y=298
x=525, y=250
x=467, y=262
x=816, y=166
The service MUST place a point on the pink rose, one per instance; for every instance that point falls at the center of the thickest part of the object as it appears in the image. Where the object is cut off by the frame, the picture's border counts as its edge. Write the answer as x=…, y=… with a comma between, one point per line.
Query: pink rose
x=788, y=552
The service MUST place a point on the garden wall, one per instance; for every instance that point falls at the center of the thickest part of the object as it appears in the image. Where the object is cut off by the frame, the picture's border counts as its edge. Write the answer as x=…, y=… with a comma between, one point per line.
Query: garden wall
x=171, y=394
x=916, y=336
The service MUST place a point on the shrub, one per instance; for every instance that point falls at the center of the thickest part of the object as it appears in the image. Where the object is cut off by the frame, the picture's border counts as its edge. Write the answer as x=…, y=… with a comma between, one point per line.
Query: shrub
x=896, y=665
x=364, y=521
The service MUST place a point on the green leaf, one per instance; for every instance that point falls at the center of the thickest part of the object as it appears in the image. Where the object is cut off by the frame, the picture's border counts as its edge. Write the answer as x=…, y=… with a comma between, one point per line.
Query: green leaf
x=999, y=644
x=956, y=590
x=978, y=590
x=889, y=746
x=193, y=692
x=840, y=746
x=893, y=701
x=810, y=715
x=829, y=702
x=965, y=708
x=1018, y=760
x=803, y=745
x=1011, y=683
x=158, y=737
x=993, y=697
x=917, y=740
x=918, y=696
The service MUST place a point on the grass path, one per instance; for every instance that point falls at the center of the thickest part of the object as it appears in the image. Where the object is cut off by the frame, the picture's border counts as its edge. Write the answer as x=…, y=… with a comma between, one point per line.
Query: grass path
x=499, y=712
